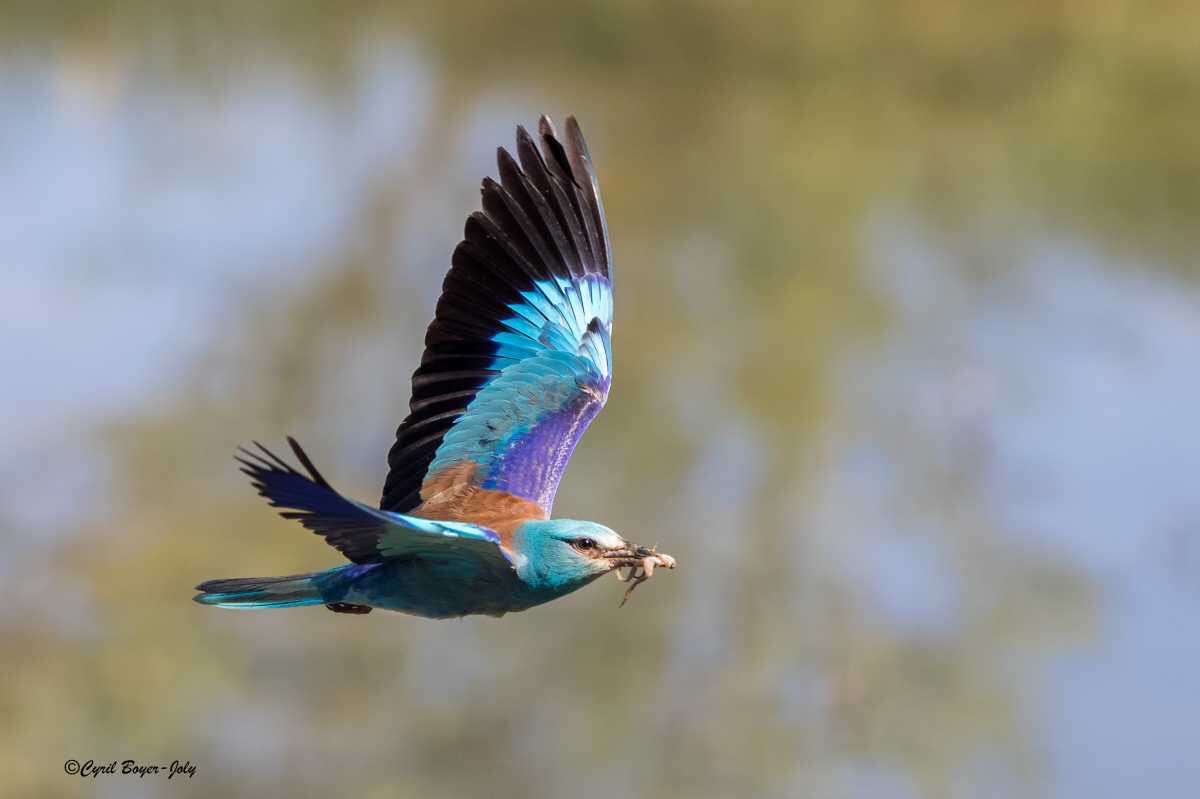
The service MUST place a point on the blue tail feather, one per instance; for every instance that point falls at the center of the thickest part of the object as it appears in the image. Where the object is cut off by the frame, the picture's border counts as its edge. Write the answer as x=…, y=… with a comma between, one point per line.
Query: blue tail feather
x=262, y=592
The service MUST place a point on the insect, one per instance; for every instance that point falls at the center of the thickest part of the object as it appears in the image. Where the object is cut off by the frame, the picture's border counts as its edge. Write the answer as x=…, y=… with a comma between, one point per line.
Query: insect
x=517, y=363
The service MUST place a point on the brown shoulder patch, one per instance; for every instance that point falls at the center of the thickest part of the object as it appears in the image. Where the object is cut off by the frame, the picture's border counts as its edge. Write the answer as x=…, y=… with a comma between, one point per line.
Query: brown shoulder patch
x=443, y=486
x=451, y=495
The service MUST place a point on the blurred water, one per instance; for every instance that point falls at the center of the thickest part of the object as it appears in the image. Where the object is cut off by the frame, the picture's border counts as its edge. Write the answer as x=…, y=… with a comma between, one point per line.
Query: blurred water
x=925, y=452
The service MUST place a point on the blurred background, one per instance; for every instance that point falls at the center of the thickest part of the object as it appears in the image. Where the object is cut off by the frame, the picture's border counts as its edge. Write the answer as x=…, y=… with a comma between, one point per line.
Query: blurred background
x=908, y=325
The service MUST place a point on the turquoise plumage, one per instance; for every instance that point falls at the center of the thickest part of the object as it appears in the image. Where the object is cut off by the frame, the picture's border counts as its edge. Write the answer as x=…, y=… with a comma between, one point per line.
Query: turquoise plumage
x=517, y=363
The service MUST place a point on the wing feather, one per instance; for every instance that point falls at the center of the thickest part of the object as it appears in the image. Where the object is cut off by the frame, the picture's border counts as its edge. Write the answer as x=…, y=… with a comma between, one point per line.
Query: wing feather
x=518, y=358
x=360, y=532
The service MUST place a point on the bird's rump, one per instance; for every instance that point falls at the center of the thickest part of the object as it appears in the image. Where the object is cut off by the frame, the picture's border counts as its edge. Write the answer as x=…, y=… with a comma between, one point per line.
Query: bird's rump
x=518, y=359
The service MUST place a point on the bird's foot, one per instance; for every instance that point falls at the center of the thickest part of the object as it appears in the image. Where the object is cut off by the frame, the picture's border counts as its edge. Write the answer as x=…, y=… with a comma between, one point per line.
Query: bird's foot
x=346, y=607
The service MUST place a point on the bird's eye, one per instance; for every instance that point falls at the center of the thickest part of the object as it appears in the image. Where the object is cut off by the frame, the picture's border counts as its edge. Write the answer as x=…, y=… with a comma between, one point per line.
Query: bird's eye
x=584, y=544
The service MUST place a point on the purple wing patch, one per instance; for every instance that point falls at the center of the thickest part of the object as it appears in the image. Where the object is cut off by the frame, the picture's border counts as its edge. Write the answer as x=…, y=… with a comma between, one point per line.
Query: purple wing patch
x=532, y=462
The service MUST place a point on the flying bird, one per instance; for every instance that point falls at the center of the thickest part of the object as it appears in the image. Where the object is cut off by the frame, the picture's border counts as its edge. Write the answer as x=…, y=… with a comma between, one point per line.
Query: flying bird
x=517, y=363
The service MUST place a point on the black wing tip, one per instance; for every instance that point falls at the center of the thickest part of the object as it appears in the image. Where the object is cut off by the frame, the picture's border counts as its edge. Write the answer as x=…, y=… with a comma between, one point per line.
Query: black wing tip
x=577, y=146
x=256, y=464
x=578, y=159
x=307, y=463
x=546, y=127
x=572, y=145
x=505, y=159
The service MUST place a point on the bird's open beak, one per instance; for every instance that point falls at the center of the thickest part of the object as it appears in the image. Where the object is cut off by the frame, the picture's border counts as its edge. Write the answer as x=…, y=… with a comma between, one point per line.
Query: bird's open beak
x=635, y=565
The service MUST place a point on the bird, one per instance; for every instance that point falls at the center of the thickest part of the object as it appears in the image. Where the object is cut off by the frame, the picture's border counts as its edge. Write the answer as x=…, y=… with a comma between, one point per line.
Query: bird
x=517, y=363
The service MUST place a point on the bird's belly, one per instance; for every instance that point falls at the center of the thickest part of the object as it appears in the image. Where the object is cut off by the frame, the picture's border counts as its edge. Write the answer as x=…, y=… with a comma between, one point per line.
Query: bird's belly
x=438, y=590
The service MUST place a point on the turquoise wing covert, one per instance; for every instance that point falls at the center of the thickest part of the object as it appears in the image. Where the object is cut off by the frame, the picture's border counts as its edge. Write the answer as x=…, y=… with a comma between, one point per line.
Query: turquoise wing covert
x=518, y=359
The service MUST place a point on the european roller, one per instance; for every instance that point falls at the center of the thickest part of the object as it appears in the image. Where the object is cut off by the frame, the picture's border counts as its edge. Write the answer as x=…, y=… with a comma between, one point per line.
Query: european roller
x=517, y=363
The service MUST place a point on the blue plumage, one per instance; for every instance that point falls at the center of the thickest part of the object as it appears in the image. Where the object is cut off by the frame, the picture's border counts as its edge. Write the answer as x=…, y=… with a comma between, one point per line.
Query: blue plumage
x=517, y=362
x=552, y=374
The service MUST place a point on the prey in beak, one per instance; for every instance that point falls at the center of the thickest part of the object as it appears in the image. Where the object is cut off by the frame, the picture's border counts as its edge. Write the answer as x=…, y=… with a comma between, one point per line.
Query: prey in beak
x=635, y=565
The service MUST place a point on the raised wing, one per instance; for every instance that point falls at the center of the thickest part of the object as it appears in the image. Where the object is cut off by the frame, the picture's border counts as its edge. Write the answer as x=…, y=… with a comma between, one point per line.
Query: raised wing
x=362, y=533
x=518, y=359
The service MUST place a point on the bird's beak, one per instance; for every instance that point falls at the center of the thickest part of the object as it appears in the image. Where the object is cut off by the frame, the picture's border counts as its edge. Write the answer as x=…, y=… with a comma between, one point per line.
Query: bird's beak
x=634, y=556
x=639, y=562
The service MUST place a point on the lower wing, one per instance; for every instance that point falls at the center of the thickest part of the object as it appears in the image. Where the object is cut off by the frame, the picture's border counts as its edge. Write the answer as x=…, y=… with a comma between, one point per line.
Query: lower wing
x=360, y=532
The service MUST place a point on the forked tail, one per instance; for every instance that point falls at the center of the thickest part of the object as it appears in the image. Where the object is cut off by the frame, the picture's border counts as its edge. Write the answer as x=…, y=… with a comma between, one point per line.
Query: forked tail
x=262, y=592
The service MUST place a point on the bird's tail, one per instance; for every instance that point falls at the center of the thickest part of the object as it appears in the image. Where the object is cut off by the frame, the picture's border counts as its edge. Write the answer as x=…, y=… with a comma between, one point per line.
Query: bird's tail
x=262, y=592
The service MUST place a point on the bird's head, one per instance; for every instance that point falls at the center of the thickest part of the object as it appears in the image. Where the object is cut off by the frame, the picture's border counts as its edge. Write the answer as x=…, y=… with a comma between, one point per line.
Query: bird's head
x=562, y=555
